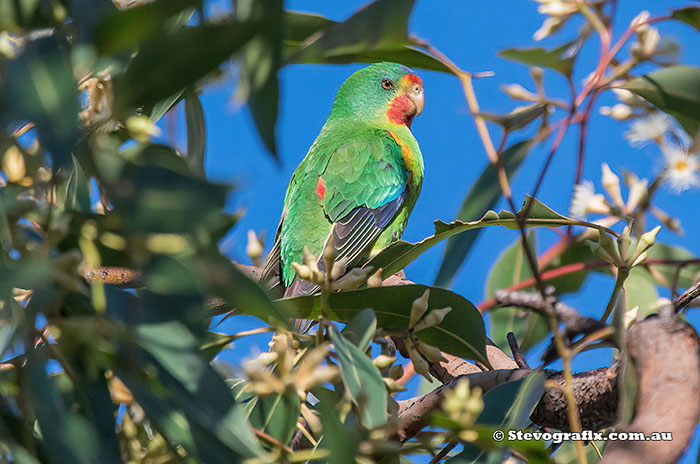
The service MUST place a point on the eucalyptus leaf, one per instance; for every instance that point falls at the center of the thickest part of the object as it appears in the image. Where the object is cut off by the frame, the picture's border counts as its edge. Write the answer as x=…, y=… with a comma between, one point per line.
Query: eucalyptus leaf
x=461, y=332
x=689, y=15
x=560, y=59
x=196, y=132
x=510, y=268
x=363, y=381
x=674, y=90
x=400, y=254
x=73, y=192
x=482, y=196
x=518, y=118
x=276, y=415
x=361, y=329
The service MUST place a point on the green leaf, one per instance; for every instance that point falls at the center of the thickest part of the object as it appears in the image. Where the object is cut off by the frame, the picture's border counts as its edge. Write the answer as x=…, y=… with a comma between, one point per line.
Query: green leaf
x=400, y=254
x=483, y=196
x=575, y=253
x=363, y=381
x=510, y=268
x=15, y=15
x=688, y=274
x=641, y=291
x=196, y=132
x=361, y=329
x=73, y=193
x=518, y=118
x=689, y=15
x=378, y=32
x=163, y=106
x=39, y=86
x=343, y=442
x=674, y=90
x=260, y=61
x=461, y=333
x=126, y=29
x=153, y=75
x=276, y=415
x=560, y=59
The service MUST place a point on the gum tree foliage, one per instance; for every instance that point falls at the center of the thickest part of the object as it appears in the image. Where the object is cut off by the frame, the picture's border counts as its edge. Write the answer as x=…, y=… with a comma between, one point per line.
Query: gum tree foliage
x=111, y=274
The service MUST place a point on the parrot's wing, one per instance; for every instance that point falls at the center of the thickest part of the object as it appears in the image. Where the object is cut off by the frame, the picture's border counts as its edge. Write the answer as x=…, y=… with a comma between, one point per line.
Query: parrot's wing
x=361, y=189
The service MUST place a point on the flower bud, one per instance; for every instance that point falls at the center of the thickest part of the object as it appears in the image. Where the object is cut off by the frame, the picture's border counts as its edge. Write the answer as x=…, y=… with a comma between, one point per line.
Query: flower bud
x=612, y=184
x=352, y=279
x=375, y=280
x=518, y=92
x=383, y=361
x=396, y=371
x=142, y=128
x=630, y=316
x=639, y=259
x=623, y=241
x=430, y=352
x=254, y=248
x=418, y=308
x=420, y=365
x=392, y=386
x=13, y=164
x=434, y=317
x=302, y=270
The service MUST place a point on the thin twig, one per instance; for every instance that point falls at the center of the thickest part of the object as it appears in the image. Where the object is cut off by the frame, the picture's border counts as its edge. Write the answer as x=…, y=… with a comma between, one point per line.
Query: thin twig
x=518, y=355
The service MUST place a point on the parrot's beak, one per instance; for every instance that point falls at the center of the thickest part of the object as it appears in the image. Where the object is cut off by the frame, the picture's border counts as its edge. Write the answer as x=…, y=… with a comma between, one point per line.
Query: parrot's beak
x=413, y=89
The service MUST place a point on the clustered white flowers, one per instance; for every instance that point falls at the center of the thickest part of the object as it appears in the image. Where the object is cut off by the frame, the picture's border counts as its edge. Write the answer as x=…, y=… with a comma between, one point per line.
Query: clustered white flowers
x=558, y=12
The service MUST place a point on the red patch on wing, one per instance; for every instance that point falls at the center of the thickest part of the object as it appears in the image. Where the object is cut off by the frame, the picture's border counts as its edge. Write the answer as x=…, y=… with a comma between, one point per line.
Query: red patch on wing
x=320, y=188
x=393, y=136
x=399, y=108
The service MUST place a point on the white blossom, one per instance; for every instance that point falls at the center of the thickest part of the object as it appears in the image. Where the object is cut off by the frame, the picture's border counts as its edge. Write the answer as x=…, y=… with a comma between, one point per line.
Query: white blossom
x=619, y=112
x=586, y=201
x=649, y=128
x=681, y=171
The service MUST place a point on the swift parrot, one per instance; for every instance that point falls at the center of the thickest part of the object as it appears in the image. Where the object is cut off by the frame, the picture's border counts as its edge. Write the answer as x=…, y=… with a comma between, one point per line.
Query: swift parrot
x=359, y=180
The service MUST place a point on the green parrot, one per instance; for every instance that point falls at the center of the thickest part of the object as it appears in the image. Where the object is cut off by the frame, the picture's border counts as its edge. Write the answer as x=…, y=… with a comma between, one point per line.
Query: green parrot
x=359, y=180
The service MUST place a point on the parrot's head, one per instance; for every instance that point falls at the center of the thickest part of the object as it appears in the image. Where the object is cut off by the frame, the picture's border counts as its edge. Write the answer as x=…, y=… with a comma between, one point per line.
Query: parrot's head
x=381, y=92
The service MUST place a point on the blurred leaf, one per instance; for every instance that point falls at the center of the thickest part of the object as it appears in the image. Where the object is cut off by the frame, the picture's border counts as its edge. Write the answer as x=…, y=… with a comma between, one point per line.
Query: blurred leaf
x=86, y=16
x=377, y=32
x=575, y=253
x=26, y=273
x=518, y=118
x=153, y=75
x=461, y=333
x=689, y=273
x=510, y=268
x=20, y=14
x=342, y=441
x=260, y=60
x=165, y=105
x=73, y=193
x=126, y=29
x=196, y=132
x=560, y=59
x=276, y=415
x=363, y=381
x=39, y=86
x=67, y=437
x=510, y=404
x=689, y=15
x=566, y=453
x=400, y=254
x=641, y=291
x=534, y=451
x=361, y=329
x=674, y=90
x=483, y=196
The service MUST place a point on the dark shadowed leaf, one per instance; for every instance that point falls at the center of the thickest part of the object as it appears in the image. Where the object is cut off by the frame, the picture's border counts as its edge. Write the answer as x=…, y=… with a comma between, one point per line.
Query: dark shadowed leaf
x=196, y=133
x=674, y=90
x=260, y=60
x=39, y=86
x=483, y=196
x=126, y=29
x=560, y=59
x=153, y=75
x=363, y=381
x=529, y=328
x=689, y=15
x=361, y=329
x=276, y=415
x=461, y=333
x=163, y=106
x=400, y=254
x=342, y=441
x=378, y=32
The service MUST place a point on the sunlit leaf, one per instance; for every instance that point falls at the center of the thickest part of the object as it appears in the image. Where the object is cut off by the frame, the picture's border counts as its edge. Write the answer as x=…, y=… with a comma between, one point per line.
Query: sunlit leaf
x=483, y=196
x=641, y=291
x=674, y=90
x=461, y=333
x=276, y=415
x=560, y=59
x=362, y=379
x=400, y=254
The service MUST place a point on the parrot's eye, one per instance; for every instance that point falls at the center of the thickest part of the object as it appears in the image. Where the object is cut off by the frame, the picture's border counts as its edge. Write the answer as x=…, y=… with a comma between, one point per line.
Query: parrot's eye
x=387, y=84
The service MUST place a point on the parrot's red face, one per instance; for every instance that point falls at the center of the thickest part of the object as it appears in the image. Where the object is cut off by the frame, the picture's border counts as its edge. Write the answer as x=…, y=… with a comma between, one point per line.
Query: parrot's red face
x=409, y=100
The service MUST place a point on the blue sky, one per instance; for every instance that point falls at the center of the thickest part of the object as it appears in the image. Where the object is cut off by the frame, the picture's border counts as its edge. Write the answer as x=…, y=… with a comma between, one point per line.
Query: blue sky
x=471, y=33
